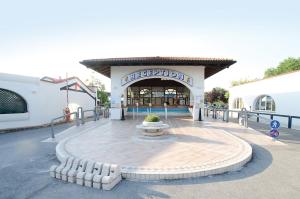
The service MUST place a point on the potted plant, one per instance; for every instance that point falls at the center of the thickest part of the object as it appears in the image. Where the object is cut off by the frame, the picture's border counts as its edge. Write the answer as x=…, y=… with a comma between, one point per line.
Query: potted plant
x=152, y=120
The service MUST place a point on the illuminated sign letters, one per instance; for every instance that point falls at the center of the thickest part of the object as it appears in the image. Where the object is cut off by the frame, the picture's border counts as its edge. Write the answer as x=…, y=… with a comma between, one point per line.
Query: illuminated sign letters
x=157, y=73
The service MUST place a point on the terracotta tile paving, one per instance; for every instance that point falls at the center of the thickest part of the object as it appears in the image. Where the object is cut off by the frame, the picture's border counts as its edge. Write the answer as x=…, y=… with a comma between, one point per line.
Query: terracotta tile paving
x=187, y=144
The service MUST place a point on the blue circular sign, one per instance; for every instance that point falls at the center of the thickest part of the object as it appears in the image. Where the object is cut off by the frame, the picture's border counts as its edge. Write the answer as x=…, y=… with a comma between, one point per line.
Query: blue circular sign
x=274, y=124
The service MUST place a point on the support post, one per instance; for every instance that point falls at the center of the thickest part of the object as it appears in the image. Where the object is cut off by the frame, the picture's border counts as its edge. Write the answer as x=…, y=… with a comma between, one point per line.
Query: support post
x=52, y=130
x=246, y=118
x=166, y=111
x=223, y=119
x=133, y=113
x=227, y=115
x=82, y=116
x=95, y=114
x=137, y=110
x=77, y=118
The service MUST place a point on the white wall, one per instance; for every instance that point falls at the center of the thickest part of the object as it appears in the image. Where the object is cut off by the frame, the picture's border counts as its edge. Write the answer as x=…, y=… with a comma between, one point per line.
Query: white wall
x=117, y=72
x=284, y=89
x=45, y=100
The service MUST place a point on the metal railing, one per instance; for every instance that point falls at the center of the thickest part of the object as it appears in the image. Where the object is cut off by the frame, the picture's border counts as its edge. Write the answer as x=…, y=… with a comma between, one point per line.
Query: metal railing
x=62, y=117
x=217, y=113
x=79, y=117
x=245, y=115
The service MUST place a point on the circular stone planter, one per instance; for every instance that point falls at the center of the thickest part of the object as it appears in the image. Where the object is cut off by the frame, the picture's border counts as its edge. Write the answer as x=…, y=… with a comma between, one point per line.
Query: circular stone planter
x=152, y=128
x=159, y=123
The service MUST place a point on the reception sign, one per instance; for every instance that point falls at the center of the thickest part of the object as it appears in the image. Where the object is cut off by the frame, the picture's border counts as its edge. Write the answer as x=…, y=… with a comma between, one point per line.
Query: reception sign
x=157, y=73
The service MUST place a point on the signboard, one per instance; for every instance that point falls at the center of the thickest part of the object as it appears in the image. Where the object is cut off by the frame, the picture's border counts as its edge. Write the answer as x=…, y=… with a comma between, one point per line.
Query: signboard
x=274, y=133
x=159, y=73
x=274, y=128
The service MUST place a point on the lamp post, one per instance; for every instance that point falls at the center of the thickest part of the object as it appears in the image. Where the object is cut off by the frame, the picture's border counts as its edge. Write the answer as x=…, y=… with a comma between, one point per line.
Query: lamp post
x=122, y=106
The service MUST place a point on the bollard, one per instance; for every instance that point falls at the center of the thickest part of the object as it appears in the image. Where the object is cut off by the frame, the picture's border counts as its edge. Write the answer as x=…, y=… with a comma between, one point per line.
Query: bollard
x=123, y=116
x=200, y=115
x=290, y=122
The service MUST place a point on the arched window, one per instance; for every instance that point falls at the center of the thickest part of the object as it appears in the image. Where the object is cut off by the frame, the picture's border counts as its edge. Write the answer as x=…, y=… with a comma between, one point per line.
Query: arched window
x=238, y=103
x=11, y=102
x=264, y=103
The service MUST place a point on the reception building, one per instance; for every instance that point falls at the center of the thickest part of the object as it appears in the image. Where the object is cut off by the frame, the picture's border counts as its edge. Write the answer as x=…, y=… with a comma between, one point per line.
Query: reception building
x=155, y=81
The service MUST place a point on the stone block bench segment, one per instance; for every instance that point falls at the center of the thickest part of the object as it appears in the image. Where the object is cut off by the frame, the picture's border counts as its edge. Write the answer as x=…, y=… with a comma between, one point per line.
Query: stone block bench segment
x=113, y=178
x=97, y=179
x=67, y=168
x=56, y=169
x=81, y=174
x=74, y=168
x=73, y=173
x=88, y=178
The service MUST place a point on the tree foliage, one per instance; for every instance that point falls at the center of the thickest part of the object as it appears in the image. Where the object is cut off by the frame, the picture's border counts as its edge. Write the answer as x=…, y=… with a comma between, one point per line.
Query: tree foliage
x=243, y=81
x=218, y=96
x=288, y=65
x=102, y=95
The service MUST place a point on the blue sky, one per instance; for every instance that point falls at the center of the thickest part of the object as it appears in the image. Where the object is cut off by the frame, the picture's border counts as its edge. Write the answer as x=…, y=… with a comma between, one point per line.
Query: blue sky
x=50, y=37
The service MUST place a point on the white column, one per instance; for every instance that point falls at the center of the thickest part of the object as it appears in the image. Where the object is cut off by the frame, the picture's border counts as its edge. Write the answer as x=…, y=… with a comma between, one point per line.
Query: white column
x=198, y=93
x=116, y=93
x=198, y=103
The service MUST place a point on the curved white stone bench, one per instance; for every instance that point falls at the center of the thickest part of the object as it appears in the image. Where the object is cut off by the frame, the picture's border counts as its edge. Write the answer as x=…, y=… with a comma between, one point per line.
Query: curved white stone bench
x=87, y=173
x=113, y=178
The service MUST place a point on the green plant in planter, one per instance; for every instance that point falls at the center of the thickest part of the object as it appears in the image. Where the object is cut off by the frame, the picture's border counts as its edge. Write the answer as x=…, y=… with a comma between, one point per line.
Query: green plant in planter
x=152, y=118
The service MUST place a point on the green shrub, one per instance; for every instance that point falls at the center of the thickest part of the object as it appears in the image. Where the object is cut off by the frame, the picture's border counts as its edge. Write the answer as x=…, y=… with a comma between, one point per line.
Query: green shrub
x=152, y=118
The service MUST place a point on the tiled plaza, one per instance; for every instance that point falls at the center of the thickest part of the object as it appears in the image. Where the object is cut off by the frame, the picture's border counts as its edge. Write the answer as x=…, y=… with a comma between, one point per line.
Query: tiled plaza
x=188, y=149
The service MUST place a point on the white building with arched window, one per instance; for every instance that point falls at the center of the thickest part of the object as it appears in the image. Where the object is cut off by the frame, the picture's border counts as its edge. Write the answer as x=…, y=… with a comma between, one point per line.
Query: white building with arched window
x=31, y=101
x=278, y=95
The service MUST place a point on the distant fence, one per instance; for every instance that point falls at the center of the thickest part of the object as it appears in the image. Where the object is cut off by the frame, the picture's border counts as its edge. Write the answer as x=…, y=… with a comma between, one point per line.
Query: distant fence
x=224, y=114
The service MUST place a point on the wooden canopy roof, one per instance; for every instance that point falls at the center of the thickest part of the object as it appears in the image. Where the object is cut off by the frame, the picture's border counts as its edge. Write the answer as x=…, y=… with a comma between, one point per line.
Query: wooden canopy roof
x=212, y=65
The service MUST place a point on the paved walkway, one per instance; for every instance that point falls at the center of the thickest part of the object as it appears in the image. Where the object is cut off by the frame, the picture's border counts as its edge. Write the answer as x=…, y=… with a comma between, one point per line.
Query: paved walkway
x=189, y=149
x=272, y=173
